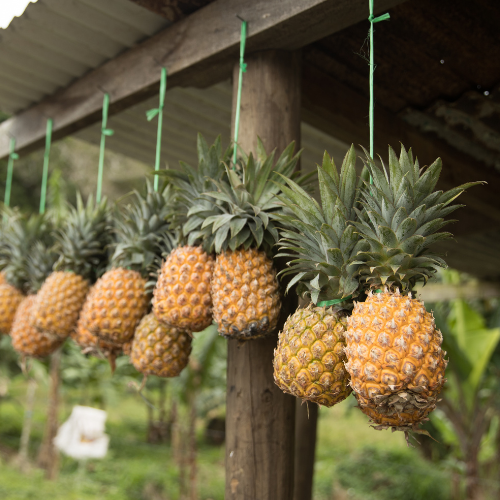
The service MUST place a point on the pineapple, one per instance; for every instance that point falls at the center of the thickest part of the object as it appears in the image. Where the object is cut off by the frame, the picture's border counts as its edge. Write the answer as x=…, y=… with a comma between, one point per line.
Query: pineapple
x=82, y=246
x=19, y=234
x=182, y=297
x=158, y=349
x=322, y=242
x=89, y=342
x=119, y=299
x=393, y=346
x=26, y=339
x=239, y=226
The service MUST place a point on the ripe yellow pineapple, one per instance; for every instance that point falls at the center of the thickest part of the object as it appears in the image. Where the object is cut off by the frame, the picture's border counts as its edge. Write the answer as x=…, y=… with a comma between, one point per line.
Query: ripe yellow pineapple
x=89, y=342
x=309, y=359
x=10, y=299
x=18, y=235
x=238, y=224
x=319, y=240
x=117, y=302
x=395, y=359
x=245, y=293
x=182, y=296
x=393, y=347
x=119, y=299
x=28, y=340
x=159, y=350
x=82, y=243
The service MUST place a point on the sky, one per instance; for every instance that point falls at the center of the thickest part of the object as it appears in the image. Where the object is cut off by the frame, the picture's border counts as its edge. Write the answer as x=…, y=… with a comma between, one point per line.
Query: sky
x=11, y=8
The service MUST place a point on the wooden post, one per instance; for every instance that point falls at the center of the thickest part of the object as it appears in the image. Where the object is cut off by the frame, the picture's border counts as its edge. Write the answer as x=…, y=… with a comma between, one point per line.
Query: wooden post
x=260, y=418
x=306, y=419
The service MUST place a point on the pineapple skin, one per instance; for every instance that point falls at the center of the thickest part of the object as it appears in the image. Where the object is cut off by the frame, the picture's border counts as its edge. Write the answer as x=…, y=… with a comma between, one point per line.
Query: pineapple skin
x=59, y=302
x=84, y=338
x=10, y=300
x=395, y=360
x=158, y=349
x=309, y=360
x=245, y=294
x=182, y=297
x=117, y=302
x=26, y=339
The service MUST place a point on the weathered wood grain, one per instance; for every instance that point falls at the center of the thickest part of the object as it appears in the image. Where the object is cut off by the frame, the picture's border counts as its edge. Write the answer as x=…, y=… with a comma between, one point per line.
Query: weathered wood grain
x=260, y=418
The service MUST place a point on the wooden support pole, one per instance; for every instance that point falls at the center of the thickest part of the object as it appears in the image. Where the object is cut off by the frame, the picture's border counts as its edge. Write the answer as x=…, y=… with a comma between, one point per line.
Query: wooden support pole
x=260, y=418
x=306, y=422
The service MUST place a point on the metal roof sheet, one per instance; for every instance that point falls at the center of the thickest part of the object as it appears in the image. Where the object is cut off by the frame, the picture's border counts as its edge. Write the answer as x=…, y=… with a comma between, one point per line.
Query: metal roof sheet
x=57, y=41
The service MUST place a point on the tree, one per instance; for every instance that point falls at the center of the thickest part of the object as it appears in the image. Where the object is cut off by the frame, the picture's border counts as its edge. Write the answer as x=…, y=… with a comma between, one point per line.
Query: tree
x=467, y=412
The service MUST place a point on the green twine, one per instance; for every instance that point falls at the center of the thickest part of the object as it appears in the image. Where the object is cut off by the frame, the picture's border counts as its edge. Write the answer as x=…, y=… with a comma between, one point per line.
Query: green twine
x=373, y=20
x=10, y=170
x=327, y=303
x=104, y=133
x=243, y=69
x=150, y=114
x=46, y=155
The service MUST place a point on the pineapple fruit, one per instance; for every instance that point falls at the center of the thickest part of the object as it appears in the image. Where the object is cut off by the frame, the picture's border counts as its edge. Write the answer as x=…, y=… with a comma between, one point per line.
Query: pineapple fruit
x=320, y=240
x=158, y=349
x=18, y=235
x=82, y=243
x=182, y=296
x=119, y=299
x=309, y=359
x=393, y=347
x=26, y=339
x=239, y=226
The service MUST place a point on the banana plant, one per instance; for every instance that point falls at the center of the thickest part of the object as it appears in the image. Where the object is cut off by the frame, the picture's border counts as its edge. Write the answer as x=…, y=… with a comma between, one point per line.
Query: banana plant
x=467, y=417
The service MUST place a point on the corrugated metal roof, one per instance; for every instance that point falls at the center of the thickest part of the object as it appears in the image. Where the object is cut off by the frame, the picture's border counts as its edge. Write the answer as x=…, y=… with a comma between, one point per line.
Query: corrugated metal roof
x=57, y=41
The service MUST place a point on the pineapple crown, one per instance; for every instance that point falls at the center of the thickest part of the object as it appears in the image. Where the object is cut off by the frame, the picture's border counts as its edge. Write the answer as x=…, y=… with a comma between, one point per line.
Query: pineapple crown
x=320, y=238
x=139, y=229
x=20, y=232
x=39, y=264
x=190, y=183
x=82, y=242
x=244, y=204
x=402, y=218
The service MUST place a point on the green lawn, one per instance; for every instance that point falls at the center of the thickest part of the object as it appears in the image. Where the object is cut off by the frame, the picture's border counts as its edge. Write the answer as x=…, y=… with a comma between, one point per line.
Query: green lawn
x=352, y=458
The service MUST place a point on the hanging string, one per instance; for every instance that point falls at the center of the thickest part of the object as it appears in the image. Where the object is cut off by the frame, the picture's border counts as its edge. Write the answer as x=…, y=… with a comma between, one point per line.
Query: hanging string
x=10, y=170
x=159, y=111
x=243, y=69
x=373, y=20
x=105, y=132
x=45, y=174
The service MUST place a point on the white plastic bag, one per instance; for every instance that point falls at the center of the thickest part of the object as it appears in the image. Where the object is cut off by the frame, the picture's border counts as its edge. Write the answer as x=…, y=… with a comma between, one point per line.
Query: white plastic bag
x=82, y=435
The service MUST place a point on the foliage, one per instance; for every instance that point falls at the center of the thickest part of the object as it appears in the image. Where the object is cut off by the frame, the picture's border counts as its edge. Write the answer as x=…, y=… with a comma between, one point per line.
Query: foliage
x=392, y=475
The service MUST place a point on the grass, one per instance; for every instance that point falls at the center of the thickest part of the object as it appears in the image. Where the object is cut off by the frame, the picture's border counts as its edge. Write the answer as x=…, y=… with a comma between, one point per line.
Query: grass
x=136, y=470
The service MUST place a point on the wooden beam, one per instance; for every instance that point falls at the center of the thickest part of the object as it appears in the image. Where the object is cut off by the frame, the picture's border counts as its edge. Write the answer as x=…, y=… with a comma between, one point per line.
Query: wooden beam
x=173, y=10
x=198, y=50
x=338, y=110
x=260, y=418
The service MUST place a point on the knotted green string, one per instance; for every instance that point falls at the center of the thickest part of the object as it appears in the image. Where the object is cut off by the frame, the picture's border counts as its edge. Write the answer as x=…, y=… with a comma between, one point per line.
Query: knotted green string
x=327, y=303
x=45, y=174
x=150, y=114
x=104, y=133
x=10, y=170
x=373, y=20
x=243, y=69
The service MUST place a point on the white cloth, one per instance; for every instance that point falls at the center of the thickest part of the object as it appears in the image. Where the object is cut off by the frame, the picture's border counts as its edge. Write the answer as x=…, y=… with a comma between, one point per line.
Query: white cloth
x=82, y=435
